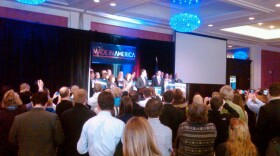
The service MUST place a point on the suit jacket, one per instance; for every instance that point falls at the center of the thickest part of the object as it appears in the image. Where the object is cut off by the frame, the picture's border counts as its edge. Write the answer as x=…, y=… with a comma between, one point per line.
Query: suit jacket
x=72, y=121
x=37, y=132
x=268, y=124
x=63, y=106
x=172, y=117
x=156, y=84
x=140, y=83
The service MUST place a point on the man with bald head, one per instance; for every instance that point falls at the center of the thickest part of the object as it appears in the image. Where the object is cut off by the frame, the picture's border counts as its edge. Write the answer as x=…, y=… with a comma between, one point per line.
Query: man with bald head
x=65, y=103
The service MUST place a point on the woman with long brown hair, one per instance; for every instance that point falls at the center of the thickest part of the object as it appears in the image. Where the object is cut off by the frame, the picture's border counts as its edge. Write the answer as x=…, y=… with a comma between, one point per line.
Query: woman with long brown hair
x=139, y=139
x=239, y=142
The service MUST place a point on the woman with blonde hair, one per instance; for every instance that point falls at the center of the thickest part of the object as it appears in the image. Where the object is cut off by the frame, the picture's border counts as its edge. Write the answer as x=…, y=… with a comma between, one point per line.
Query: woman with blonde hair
x=139, y=139
x=237, y=99
x=11, y=107
x=239, y=142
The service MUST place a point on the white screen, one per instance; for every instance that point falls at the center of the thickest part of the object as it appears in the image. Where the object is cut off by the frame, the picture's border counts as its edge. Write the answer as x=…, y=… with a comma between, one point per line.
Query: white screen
x=200, y=59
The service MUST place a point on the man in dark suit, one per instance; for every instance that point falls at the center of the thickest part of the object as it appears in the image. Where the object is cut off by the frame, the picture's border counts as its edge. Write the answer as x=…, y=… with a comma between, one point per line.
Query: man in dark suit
x=268, y=124
x=37, y=132
x=158, y=81
x=142, y=81
x=91, y=82
x=171, y=116
x=72, y=121
x=65, y=103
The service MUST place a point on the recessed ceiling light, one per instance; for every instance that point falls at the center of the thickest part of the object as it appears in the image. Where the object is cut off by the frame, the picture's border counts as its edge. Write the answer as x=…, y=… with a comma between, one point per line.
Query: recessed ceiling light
x=260, y=23
x=272, y=26
x=251, y=18
x=96, y=1
x=277, y=5
x=113, y=4
x=230, y=46
x=210, y=25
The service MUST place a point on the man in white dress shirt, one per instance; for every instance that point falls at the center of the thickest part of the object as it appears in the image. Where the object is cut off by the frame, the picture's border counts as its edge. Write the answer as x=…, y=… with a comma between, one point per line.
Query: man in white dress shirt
x=102, y=133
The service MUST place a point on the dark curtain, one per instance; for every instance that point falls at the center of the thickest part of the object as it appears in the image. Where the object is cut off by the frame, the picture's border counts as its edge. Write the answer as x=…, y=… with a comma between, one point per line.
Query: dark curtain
x=164, y=51
x=29, y=51
x=61, y=56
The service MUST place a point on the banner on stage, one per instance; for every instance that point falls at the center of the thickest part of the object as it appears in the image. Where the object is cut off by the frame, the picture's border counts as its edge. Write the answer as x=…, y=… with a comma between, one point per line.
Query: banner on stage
x=112, y=53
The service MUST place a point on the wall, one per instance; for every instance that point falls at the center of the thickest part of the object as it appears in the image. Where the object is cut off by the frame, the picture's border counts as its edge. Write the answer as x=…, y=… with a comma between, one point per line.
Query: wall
x=270, y=67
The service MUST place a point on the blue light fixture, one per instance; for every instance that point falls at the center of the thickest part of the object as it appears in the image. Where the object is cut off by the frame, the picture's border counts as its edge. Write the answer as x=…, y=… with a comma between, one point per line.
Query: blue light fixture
x=186, y=2
x=185, y=22
x=240, y=55
x=32, y=2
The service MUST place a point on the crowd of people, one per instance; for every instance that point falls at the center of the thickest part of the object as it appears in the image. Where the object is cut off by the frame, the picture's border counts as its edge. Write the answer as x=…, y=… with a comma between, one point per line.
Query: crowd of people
x=121, y=120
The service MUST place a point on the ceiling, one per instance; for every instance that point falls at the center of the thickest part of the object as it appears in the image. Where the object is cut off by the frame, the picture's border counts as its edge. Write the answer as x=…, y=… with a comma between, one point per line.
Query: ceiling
x=220, y=13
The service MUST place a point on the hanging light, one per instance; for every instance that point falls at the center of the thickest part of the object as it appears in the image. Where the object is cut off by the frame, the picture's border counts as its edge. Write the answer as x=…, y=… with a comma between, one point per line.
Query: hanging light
x=186, y=2
x=185, y=22
x=32, y=2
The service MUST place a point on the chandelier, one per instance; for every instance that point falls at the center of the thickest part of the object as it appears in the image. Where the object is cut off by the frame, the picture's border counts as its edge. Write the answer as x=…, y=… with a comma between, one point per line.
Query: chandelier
x=185, y=22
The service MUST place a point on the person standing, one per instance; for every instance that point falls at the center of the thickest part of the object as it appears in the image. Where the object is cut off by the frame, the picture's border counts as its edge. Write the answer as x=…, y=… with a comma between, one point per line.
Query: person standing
x=72, y=121
x=268, y=123
x=101, y=134
x=37, y=132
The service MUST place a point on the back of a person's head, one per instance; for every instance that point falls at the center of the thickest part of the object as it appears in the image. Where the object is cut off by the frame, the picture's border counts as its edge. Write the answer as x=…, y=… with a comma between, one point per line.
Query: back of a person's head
x=197, y=99
x=39, y=98
x=168, y=96
x=97, y=87
x=153, y=91
x=239, y=142
x=226, y=92
x=215, y=94
x=237, y=99
x=154, y=108
x=105, y=101
x=147, y=93
x=274, y=89
x=197, y=114
x=126, y=105
x=216, y=102
x=24, y=87
x=80, y=96
x=74, y=88
x=178, y=96
x=263, y=98
x=139, y=139
x=11, y=98
x=116, y=92
x=64, y=92
x=134, y=96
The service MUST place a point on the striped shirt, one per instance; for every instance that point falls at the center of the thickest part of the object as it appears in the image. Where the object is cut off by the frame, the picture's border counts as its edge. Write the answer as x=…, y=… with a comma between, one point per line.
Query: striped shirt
x=196, y=139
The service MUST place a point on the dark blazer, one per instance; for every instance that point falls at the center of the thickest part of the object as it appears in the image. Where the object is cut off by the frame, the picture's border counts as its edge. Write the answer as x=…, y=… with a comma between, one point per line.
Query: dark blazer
x=268, y=124
x=37, y=132
x=138, y=111
x=63, y=106
x=156, y=84
x=72, y=121
x=140, y=83
x=172, y=117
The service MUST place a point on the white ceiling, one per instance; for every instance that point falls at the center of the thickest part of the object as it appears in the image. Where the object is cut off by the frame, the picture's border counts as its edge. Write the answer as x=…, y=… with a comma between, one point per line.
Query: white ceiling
x=220, y=13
